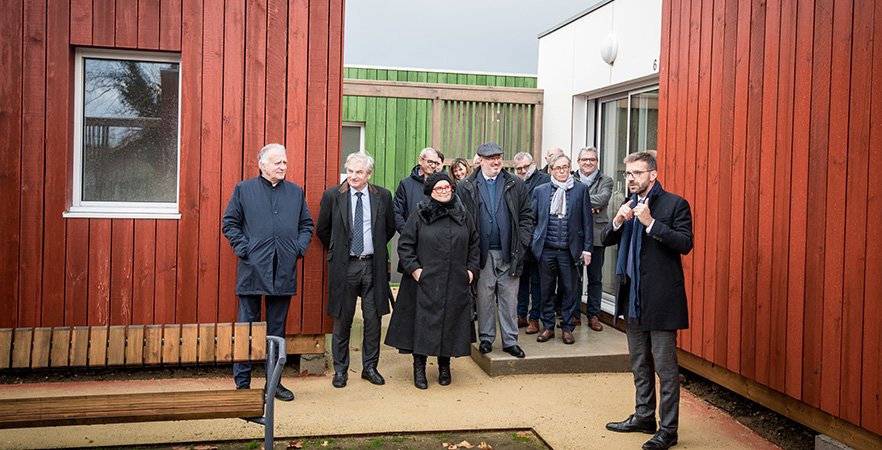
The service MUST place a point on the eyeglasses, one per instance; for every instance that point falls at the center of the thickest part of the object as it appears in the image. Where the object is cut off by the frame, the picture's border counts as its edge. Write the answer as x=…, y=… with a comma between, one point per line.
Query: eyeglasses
x=440, y=189
x=433, y=163
x=561, y=168
x=522, y=168
x=635, y=173
x=587, y=159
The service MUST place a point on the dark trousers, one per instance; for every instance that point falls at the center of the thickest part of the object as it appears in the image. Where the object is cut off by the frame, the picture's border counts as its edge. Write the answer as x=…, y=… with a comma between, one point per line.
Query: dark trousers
x=276, y=316
x=557, y=267
x=655, y=352
x=359, y=283
x=529, y=288
x=595, y=282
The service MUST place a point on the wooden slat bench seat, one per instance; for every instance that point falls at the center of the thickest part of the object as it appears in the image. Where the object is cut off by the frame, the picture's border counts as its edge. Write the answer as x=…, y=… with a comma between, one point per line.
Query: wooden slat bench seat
x=131, y=346
x=256, y=405
x=122, y=408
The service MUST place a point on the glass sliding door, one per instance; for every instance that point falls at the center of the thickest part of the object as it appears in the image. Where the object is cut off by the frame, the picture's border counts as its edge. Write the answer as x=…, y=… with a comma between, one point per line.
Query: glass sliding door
x=626, y=123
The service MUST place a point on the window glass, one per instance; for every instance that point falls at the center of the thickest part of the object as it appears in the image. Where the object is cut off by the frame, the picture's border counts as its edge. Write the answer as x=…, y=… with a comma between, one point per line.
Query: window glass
x=627, y=124
x=350, y=142
x=129, y=131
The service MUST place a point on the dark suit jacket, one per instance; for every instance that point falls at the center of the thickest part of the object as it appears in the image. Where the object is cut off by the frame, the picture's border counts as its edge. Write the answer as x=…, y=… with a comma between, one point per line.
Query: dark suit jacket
x=334, y=230
x=662, y=288
x=579, y=219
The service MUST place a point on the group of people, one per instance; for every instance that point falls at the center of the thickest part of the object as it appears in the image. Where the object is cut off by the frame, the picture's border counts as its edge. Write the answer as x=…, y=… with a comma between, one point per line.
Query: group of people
x=474, y=242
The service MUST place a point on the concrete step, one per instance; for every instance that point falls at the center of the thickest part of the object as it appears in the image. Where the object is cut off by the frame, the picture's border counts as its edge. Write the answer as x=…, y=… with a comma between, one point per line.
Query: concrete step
x=593, y=352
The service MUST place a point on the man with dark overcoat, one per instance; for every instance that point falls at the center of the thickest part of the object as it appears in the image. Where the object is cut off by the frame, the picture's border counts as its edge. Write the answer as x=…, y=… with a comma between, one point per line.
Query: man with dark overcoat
x=500, y=206
x=355, y=223
x=410, y=190
x=269, y=227
x=651, y=294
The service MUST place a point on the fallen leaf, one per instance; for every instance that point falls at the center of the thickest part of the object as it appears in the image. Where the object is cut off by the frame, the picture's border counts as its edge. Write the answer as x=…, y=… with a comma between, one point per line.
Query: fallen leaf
x=298, y=444
x=465, y=444
x=523, y=434
x=324, y=443
x=485, y=446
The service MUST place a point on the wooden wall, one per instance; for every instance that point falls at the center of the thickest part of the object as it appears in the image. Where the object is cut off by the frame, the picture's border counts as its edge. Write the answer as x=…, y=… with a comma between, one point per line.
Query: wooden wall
x=251, y=74
x=397, y=129
x=769, y=111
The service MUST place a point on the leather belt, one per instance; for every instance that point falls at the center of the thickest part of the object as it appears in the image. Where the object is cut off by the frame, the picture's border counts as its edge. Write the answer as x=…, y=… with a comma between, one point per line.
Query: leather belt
x=361, y=257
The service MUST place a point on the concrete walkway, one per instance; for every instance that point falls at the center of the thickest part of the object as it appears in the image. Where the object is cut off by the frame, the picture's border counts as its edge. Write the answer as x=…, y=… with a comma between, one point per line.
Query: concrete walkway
x=568, y=410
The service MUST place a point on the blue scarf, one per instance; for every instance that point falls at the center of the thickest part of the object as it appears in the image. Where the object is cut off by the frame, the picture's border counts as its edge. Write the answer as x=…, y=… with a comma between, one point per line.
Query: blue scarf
x=630, y=245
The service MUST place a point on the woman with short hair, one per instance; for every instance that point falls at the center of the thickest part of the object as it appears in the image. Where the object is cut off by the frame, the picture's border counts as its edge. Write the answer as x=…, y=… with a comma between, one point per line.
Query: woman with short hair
x=433, y=312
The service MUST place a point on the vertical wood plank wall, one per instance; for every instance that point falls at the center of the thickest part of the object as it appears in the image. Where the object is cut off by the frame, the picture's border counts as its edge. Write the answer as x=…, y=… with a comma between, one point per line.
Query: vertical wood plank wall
x=397, y=129
x=244, y=83
x=771, y=129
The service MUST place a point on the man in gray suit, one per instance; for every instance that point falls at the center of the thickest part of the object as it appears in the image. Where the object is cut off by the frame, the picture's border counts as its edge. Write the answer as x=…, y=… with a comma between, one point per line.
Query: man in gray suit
x=355, y=223
x=600, y=191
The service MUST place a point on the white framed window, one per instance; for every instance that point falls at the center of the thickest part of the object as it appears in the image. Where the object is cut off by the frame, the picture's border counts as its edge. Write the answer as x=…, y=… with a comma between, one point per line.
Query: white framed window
x=126, y=152
x=351, y=141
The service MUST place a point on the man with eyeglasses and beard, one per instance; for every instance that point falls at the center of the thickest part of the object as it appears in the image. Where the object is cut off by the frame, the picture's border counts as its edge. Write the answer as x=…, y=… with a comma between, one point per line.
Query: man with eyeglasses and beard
x=653, y=228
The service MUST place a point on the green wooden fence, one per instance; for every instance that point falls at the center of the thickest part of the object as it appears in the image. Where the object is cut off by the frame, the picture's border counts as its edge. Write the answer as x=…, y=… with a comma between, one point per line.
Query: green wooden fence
x=396, y=129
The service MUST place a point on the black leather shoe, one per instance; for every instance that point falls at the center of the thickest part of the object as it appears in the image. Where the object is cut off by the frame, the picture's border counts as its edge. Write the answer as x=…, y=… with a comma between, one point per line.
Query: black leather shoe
x=373, y=376
x=444, y=377
x=283, y=394
x=515, y=351
x=485, y=347
x=340, y=379
x=244, y=386
x=662, y=440
x=632, y=424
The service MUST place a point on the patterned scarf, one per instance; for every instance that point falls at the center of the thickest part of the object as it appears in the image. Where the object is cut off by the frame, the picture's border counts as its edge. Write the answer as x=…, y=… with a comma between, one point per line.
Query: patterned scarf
x=559, y=200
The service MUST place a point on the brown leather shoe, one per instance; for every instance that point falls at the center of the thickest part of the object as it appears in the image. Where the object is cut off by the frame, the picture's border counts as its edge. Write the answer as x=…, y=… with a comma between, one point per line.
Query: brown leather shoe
x=533, y=327
x=522, y=322
x=594, y=323
x=576, y=321
x=545, y=335
x=568, y=337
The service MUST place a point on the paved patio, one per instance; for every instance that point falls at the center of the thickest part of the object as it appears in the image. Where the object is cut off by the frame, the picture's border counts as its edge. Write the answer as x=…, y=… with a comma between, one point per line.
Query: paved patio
x=568, y=410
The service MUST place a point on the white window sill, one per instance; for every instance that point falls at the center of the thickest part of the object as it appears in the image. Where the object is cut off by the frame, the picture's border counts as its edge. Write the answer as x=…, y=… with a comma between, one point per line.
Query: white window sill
x=115, y=213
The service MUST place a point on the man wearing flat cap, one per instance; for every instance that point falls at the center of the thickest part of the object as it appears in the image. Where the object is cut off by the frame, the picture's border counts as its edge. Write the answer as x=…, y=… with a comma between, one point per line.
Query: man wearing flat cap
x=500, y=205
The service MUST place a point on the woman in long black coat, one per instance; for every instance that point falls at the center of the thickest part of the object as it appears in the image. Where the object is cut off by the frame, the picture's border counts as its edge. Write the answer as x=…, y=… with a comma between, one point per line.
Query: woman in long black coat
x=433, y=312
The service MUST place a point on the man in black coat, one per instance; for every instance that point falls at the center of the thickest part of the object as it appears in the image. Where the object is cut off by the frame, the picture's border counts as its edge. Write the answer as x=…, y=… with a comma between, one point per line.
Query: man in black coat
x=355, y=223
x=410, y=190
x=500, y=206
x=651, y=294
x=269, y=227
x=529, y=286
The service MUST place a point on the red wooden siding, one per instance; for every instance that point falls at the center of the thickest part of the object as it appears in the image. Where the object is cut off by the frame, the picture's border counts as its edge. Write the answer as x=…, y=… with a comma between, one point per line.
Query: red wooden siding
x=769, y=111
x=253, y=72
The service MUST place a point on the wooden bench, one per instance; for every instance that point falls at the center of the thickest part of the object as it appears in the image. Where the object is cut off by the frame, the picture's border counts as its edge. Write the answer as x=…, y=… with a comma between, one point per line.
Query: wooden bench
x=35, y=349
x=131, y=346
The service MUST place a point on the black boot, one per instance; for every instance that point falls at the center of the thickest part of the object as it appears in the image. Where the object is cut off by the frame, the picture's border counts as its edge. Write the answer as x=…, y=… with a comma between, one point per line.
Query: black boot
x=444, y=377
x=419, y=372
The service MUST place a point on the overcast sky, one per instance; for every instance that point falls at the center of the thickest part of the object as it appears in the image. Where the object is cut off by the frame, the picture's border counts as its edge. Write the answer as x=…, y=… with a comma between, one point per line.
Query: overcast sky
x=497, y=36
